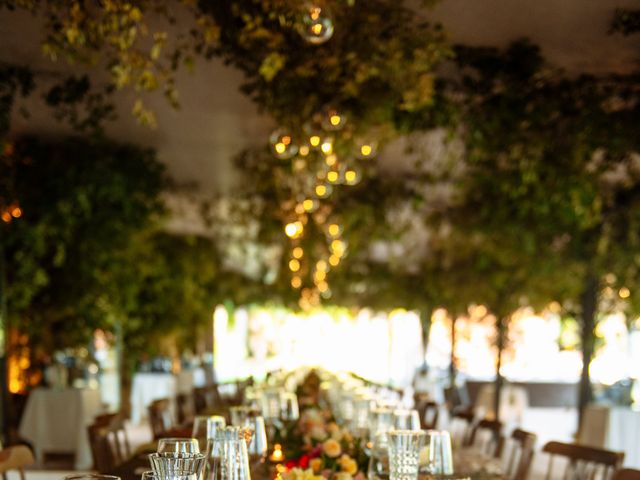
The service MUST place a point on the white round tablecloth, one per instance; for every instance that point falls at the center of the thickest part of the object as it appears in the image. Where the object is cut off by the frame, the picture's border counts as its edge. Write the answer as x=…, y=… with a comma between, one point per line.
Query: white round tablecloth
x=56, y=421
x=147, y=387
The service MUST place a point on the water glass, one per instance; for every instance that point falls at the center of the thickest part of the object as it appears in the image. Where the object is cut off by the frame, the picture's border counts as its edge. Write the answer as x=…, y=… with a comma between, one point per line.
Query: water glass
x=230, y=459
x=289, y=406
x=205, y=428
x=379, y=458
x=406, y=420
x=178, y=445
x=151, y=475
x=271, y=406
x=91, y=476
x=440, y=459
x=171, y=464
x=404, y=453
x=257, y=448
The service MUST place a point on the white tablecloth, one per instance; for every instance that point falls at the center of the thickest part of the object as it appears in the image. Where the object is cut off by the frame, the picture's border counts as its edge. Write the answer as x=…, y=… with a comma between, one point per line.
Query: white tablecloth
x=513, y=402
x=613, y=428
x=148, y=387
x=56, y=421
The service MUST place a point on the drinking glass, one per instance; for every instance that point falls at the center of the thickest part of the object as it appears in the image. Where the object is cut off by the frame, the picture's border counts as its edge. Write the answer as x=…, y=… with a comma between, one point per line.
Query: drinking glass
x=404, y=453
x=271, y=407
x=205, y=428
x=289, y=407
x=379, y=458
x=406, y=420
x=171, y=464
x=440, y=459
x=240, y=415
x=91, y=476
x=257, y=448
x=230, y=459
x=178, y=445
x=151, y=475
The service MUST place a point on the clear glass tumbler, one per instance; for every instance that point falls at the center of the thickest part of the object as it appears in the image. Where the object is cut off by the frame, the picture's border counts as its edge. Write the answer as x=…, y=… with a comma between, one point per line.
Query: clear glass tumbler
x=404, y=453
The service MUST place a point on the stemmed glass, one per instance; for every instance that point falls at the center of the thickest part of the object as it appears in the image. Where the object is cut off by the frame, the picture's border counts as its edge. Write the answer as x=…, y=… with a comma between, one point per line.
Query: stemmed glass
x=205, y=428
x=406, y=420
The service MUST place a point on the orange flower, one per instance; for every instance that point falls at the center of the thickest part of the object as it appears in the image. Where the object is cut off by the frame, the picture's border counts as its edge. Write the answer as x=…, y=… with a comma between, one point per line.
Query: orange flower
x=331, y=448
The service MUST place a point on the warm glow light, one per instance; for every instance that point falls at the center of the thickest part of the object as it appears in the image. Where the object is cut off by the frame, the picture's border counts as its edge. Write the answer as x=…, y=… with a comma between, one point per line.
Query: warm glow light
x=296, y=282
x=334, y=229
x=321, y=190
x=314, y=140
x=293, y=229
x=624, y=292
x=338, y=247
x=304, y=150
x=294, y=265
x=6, y=216
x=300, y=209
x=286, y=139
x=280, y=147
x=334, y=260
x=317, y=28
x=321, y=266
x=277, y=455
x=332, y=176
x=320, y=276
x=297, y=252
x=16, y=212
x=323, y=286
x=365, y=150
x=335, y=120
x=315, y=13
x=350, y=176
x=331, y=160
x=308, y=204
x=326, y=147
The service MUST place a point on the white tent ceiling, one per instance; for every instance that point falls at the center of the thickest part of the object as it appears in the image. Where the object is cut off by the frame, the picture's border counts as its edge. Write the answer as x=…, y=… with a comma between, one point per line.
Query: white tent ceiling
x=216, y=121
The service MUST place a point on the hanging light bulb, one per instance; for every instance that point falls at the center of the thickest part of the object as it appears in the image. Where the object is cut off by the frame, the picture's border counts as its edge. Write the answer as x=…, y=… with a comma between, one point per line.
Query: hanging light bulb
x=332, y=119
x=316, y=24
x=282, y=144
x=366, y=149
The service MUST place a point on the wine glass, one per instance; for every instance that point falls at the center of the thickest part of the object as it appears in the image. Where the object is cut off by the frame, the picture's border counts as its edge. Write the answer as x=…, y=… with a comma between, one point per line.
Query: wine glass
x=205, y=428
x=178, y=445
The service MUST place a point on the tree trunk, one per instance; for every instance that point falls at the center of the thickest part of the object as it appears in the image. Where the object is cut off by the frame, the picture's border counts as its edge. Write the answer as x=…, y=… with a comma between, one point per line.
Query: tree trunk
x=425, y=321
x=5, y=404
x=452, y=365
x=589, y=304
x=501, y=328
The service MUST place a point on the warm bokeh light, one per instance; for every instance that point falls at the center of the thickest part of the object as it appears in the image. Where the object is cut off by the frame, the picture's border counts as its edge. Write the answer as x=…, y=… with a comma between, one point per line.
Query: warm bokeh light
x=334, y=260
x=16, y=212
x=296, y=282
x=294, y=229
x=326, y=147
x=280, y=147
x=297, y=252
x=321, y=190
x=350, y=176
x=366, y=150
x=294, y=265
x=304, y=150
x=308, y=204
x=314, y=140
x=321, y=266
x=334, y=229
x=335, y=120
x=624, y=292
x=332, y=176
x=331, y=160
x=6, y=217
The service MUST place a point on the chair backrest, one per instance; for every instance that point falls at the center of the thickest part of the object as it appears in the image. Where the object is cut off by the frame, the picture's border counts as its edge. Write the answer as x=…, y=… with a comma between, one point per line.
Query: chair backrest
x=160, y=417
x=583, y=462
x=486, y=436
x=109, y=444
x=428, y=411
x=185, y=408
x=200, y=400
x=627, y=474
x=518, y=454
x=461, y=425
x=16, y=458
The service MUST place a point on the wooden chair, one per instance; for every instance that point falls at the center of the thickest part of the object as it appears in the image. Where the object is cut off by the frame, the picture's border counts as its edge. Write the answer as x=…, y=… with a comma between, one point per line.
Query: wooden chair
x=16, y=458
x=486, y=435
x=109, y=443
x=460, y=425
x=518, y=454
x=428, y=411
x=160, y=417
x=627, y=474
x=200, y=400
x=583, y=462
x=185, y=408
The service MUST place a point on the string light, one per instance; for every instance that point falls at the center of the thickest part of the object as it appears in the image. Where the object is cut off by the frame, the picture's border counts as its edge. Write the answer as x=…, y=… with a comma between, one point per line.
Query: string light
x=298, y=252
x=624, y=292
x=334, y=229
x=294, y=265
x=294, y=229
x=334, y=260
x=314, y=140
x=333, y=176
x=296, y=282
